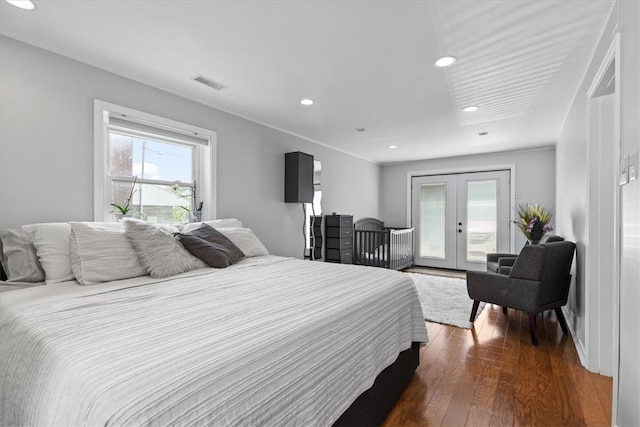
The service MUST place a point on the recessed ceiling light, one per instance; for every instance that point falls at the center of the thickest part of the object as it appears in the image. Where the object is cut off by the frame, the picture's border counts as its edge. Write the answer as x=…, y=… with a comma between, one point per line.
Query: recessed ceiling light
x=306, y=101
x=470, y=109
x=22, y=4
x=483, y=133
x=359, y=129
x=393, y=146
x=445, y=61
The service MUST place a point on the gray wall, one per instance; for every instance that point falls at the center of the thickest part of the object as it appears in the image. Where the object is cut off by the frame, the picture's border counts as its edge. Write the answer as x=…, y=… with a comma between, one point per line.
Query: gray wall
x=573, y=179
x=46, y=150
x=534, y=180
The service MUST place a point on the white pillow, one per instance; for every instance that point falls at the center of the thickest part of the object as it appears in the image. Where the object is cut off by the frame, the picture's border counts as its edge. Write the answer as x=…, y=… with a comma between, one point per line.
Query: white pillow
x=52, y=241
x=244, y=239
x=216, y=223
x=102, y=253
x=158, y=250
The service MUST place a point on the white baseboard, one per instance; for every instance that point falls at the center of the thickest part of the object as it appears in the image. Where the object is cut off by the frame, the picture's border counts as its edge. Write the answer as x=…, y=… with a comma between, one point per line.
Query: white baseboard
x=577, y=342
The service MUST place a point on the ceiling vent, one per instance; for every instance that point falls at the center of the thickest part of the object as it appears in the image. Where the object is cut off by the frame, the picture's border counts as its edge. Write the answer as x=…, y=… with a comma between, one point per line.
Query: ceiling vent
x=211, y=83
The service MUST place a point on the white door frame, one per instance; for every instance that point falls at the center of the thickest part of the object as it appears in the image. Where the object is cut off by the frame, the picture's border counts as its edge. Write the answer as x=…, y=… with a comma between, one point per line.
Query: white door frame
x=602, y=345
x=512, y=184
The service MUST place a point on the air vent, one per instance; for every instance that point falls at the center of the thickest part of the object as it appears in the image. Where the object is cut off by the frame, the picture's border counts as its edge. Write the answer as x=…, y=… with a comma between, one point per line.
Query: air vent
x=211, y=83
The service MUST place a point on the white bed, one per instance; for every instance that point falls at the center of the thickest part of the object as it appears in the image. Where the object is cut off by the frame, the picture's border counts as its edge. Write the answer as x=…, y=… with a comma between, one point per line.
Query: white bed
x=268, y=341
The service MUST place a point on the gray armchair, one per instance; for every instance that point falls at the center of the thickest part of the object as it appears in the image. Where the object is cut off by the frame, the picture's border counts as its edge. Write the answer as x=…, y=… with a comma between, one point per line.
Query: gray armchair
x=502, y=263
x=539, y=280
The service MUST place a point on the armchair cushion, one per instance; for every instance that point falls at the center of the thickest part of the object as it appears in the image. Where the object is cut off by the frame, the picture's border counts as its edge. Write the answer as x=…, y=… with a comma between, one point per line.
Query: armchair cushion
x=505, y=264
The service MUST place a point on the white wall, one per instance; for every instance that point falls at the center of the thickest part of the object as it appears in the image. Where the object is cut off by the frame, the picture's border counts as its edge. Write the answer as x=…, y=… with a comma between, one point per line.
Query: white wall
x=572, y=176
x=46, y=150
x=534, y=180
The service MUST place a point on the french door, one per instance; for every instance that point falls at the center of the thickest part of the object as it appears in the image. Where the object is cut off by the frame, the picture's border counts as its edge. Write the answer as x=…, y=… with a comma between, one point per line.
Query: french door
x=459, y=218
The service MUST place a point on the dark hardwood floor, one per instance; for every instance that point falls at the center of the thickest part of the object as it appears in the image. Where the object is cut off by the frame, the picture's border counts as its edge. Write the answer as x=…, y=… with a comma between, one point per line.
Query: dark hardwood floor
x=492, y=375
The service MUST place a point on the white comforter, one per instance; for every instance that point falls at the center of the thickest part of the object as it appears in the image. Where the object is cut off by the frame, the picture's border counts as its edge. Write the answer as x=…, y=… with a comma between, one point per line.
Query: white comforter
x=270, y=341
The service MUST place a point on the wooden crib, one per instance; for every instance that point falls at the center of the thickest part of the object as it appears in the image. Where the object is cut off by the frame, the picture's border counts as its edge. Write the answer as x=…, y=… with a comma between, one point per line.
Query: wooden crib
x=378, y=246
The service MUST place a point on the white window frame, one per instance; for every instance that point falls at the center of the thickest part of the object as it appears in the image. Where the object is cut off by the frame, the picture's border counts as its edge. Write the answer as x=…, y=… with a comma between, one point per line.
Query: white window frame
x=204, y=162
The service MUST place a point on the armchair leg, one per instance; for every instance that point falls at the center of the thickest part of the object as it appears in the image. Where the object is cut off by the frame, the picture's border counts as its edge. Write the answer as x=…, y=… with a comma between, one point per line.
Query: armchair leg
x=474, y=310
x=561, y=319
x=532, y=329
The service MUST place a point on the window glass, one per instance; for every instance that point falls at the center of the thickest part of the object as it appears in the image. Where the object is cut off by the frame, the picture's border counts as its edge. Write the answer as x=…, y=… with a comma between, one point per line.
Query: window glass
x=147, y=158
x=482, y=219
x=154, y=177
x=433, y=220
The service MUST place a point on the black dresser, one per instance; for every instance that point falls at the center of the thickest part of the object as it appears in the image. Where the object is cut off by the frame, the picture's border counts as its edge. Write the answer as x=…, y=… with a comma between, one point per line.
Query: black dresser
x=338, y=231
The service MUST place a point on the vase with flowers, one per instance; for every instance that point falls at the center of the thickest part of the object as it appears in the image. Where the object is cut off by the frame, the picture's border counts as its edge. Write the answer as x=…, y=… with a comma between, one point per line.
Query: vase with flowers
x=124, y=210
x=534, y=221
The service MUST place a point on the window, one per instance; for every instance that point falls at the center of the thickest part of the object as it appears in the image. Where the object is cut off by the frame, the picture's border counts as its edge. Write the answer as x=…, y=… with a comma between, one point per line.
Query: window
x=161, y=169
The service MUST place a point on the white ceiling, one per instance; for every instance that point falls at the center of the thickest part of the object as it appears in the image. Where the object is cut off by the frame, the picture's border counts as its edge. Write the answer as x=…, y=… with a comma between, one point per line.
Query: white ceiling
x=367, y=64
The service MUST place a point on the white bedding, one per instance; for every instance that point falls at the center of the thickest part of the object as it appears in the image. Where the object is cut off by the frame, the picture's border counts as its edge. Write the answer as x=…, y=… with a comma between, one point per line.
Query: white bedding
x=269, y=341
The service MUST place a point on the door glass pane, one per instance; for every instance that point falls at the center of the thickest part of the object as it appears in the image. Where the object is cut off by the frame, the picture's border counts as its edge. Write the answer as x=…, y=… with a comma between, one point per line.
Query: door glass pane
x=432, y=220
x=482, y=218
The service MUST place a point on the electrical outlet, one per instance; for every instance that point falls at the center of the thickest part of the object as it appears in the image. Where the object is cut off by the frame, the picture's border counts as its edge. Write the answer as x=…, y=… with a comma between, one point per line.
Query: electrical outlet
x=624, y=171
x=633, y=166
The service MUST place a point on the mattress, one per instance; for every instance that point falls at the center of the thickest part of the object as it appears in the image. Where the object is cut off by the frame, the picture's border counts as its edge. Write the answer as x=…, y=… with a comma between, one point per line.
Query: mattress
x=268, y=341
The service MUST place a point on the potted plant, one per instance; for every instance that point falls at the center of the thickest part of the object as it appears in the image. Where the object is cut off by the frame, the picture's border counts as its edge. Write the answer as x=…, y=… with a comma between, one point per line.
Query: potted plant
x=124, y=210
x=534, y=221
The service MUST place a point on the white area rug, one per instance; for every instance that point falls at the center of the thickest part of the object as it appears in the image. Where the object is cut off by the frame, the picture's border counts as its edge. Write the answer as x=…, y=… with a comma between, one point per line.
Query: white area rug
x=444, y=299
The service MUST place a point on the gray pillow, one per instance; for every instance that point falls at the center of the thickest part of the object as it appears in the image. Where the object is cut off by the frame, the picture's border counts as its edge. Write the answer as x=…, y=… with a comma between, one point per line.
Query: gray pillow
x=212, y=254
x=102, y=253
x=18, y=257
x=159, y=252
x=211, y=246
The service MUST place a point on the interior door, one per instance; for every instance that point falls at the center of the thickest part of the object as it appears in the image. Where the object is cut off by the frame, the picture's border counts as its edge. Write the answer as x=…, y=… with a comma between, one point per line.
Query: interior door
x=459, y=218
